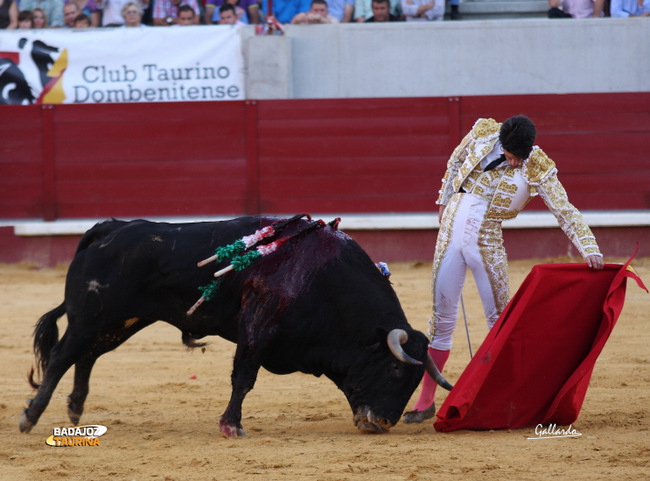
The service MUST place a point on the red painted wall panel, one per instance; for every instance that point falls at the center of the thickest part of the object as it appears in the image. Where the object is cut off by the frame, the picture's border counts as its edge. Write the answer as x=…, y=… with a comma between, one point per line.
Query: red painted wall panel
x=352, y=155
x=134, y=160
x=333, y=156
x=21, y=159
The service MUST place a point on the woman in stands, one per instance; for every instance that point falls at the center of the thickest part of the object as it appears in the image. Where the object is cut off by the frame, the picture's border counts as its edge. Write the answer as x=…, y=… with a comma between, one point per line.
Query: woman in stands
x=40, y=19
x=132, y=13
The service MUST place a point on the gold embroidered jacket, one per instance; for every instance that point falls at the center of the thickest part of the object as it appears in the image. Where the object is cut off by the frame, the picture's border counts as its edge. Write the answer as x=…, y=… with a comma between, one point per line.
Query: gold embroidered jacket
x=508, y=189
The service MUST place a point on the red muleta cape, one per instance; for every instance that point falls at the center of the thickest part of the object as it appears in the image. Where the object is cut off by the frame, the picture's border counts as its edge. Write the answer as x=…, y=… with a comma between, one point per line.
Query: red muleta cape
x=535, y=364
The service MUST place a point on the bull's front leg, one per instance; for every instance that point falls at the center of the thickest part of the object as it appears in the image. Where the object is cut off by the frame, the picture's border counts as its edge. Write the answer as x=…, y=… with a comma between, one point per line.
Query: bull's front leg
x=245, y=369
x=257, y=327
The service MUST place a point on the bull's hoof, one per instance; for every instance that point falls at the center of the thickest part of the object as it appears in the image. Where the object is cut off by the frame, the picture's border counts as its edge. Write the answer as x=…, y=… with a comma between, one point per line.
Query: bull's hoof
x=230, y=431
x=74, y=417
x=25, y=425
x=416, y=417
x=74, y=413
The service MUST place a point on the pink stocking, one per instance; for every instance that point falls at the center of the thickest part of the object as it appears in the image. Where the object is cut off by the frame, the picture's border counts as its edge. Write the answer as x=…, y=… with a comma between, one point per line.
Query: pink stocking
x=429, y=385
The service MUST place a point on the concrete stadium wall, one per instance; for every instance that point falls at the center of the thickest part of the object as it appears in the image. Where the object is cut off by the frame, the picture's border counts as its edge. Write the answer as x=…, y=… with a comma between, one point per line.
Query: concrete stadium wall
x=433, y=59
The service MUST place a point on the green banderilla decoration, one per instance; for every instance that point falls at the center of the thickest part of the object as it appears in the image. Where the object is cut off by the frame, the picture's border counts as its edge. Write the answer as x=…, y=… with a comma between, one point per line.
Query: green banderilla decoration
x=230, y=251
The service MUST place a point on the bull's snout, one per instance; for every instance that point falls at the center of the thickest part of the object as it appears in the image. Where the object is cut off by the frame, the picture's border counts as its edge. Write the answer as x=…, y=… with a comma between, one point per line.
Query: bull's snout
x=367, y=422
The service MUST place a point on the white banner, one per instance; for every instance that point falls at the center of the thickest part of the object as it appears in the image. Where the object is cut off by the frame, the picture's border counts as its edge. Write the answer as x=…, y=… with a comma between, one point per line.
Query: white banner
x=147, y=64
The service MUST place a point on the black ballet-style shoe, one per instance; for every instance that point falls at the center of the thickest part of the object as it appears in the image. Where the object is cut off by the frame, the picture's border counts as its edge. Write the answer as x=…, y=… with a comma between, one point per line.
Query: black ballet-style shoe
x=416, y=417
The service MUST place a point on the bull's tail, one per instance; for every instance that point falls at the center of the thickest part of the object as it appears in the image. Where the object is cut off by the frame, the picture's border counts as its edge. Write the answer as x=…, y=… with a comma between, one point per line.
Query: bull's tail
x=46, y=335
x=190, y=341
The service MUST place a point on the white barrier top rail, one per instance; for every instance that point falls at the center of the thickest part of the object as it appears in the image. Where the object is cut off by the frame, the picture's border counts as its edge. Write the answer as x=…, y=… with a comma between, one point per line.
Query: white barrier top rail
x=406, y=221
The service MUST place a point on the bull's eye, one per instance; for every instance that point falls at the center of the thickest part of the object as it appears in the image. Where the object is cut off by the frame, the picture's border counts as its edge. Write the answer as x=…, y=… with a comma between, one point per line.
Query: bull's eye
x=396, y=368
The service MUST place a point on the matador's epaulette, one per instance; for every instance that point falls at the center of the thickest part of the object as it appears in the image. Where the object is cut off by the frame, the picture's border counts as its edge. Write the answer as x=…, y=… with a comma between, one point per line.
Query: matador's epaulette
x=538, y=166
x=485, y=128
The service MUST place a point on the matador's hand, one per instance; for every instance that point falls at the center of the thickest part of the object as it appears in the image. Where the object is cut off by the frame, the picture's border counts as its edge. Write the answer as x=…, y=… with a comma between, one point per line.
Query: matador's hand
x=595, y=262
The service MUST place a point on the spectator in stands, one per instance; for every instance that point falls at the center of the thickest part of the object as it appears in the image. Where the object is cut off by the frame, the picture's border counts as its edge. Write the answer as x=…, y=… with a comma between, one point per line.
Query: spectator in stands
x=423, y=10
x=53, y=10
x=8, y=15
x=241, y=17
x=25, y=19
x=70, y=12
x=132, y=13
x=381, y=12
x=285, y=10
x=363, y=9
x=342, y=10
x=318, y=13
x=165, y=12
x=576, y=8
x=112, y=16
x=89, y=7
x=82, y=21
x=185, y=16
x=630, y=8
x=228, y=15
x=251, y=10
x=454, y=14
x=40, y=19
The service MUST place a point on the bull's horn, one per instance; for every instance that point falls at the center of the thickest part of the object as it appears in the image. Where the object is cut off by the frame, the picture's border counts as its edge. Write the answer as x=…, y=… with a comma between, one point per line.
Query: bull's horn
x=434, y=372
x=395, y=339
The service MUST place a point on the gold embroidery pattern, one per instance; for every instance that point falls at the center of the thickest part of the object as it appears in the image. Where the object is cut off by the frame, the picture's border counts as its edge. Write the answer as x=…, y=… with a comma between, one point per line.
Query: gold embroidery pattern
x=442, y=243
x=453, y=164
x=496, y=186
x=501, y=201
x=505, y=191
x=475, y=152
x=538, y=166
x=511, y=214
x=485, y=128
x=570, y=219
x=474, y=146
x=495, y=262
x=470, y=182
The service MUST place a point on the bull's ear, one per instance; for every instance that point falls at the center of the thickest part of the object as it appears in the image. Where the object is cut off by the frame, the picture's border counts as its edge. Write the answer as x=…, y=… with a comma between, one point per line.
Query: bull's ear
x=375, y=340
x=382, y=335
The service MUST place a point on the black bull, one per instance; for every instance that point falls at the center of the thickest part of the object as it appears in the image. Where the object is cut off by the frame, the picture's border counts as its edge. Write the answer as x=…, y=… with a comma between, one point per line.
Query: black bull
x=317, y=305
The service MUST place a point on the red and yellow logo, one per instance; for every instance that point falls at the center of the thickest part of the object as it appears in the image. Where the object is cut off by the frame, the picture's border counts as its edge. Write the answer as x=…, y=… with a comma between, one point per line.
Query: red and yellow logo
x=33, y=73
x=76, y=436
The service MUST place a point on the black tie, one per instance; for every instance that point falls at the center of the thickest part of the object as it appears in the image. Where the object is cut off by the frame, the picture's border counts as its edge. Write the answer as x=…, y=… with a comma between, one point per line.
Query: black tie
x=494, y=163
x=488, y=167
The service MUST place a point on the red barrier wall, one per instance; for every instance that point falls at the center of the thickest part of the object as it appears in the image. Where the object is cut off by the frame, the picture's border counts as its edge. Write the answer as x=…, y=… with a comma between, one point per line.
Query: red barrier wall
x=338, y=156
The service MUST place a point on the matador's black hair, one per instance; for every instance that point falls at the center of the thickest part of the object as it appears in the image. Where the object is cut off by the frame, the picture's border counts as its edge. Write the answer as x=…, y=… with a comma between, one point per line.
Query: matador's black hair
x=517, y=136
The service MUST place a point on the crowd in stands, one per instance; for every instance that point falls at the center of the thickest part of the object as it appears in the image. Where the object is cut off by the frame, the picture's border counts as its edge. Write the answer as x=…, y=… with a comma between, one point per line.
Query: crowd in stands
x=598, y=8
x=137, y=13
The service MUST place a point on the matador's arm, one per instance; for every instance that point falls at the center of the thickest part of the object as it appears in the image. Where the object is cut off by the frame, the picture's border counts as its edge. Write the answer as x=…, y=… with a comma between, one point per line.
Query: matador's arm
x=542, y=176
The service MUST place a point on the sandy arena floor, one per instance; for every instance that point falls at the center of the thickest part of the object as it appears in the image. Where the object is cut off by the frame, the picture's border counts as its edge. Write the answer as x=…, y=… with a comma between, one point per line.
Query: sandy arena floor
x=161, y=405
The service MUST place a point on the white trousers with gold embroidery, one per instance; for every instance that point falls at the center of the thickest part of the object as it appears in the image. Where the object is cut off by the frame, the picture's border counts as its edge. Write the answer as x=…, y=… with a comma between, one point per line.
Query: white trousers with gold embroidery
x=466, y=240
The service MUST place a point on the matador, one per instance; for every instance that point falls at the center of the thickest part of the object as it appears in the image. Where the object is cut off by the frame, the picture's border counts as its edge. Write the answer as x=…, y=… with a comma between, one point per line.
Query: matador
x=491, y=176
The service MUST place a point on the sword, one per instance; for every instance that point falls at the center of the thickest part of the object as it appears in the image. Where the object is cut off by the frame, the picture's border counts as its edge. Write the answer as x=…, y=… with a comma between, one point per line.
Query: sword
x=462, y=303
